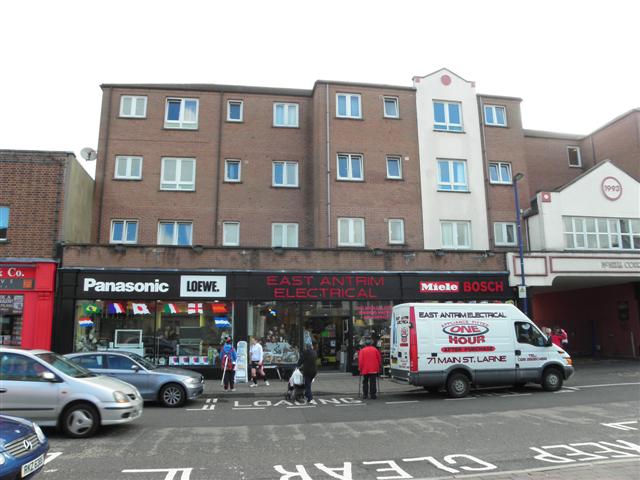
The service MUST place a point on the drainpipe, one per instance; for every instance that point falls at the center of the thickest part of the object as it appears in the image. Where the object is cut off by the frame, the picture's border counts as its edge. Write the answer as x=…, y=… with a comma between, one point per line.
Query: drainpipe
x=105, y=157
x=328, y=147
x=219, y=162
x=485, y=169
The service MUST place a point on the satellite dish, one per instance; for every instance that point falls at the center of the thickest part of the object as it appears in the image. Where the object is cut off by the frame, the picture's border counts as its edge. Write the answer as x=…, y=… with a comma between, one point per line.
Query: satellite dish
x=89, y=154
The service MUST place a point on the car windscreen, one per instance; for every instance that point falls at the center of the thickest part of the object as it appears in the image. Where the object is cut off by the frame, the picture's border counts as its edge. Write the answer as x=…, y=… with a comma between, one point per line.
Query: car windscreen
x=65, y=365
x=142, y=361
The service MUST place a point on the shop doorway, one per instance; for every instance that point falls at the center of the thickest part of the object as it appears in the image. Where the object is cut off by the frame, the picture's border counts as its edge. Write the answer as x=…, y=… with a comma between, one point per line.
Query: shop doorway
x=329, y=333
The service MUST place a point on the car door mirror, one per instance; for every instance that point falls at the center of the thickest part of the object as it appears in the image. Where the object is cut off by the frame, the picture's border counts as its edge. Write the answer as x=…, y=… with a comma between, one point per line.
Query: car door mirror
x=48, y=376
x=135, y=368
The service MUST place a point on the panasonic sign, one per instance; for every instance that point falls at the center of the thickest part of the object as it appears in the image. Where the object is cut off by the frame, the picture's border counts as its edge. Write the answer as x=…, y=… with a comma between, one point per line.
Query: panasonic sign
x=156, y=286
x=203, y=286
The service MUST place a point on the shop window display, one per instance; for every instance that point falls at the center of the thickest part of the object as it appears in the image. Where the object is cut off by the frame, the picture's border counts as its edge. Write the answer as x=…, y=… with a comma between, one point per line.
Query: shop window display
x=327, y=325
x=11, y=307
x=277, y=326
x=166, y=333
x=371, y=319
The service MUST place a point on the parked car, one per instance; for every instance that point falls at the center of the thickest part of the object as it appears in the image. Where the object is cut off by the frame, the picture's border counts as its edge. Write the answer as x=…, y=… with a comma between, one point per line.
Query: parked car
x=53, y=391
x=23, y=448
x=170, y=386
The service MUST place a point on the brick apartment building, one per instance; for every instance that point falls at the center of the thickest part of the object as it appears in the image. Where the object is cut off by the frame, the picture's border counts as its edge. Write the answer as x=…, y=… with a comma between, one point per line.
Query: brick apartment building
x=294, y=215
x=45, y=199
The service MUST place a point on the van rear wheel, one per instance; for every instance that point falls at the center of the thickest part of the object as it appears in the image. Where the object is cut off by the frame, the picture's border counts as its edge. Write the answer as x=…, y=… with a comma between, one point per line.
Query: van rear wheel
x=552, y=380
x=458, y=385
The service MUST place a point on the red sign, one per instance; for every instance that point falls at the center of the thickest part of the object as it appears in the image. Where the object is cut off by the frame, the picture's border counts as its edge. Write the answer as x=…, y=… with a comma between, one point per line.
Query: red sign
x=467, y=287
x=319, y=287
x=17, y=272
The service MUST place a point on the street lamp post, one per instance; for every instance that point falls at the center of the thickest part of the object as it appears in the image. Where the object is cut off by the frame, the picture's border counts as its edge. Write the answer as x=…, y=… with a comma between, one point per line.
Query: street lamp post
x=523, y=283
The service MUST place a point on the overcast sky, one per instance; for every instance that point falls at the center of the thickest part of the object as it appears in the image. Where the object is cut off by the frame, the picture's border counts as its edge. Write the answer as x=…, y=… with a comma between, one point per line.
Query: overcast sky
x=575, y=64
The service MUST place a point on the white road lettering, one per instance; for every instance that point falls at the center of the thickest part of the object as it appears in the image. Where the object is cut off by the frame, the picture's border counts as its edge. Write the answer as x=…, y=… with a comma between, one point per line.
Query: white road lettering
x=622, y=425
x=299, y=473
x=485, y=465
x=343, y=473
x=545, y=456
x=393, y=467
x=185, y=473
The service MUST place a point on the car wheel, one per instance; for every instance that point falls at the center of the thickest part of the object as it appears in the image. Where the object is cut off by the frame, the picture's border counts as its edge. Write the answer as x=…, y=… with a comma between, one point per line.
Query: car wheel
x=80, y=420
x=552, y=380
x=458, y=385
x=172, y=395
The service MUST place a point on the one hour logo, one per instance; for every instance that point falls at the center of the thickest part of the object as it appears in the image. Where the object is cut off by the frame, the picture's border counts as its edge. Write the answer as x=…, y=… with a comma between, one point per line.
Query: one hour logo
x=465, y=332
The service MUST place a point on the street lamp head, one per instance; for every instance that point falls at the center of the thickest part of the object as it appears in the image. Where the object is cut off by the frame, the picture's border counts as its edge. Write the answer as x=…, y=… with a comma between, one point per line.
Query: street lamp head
x=518, y=177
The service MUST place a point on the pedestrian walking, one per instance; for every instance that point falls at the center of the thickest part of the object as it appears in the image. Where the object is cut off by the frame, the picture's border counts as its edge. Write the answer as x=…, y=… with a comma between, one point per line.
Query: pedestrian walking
x=308, y=364
x=228, y=359
x=369, y=364
x=559, y=337
x=256, y=356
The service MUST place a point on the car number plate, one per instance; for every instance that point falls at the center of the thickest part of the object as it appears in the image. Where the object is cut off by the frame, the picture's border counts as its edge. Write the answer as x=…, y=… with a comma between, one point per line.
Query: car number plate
x=32, y=466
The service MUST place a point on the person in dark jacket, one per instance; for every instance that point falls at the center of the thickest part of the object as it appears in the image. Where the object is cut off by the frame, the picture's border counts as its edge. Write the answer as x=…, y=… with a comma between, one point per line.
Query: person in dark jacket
x=307, y=364
x=369, y=362
x=228, y=359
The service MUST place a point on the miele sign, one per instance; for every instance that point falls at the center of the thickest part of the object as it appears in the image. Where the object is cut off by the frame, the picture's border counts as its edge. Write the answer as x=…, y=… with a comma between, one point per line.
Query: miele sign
x=150, y=286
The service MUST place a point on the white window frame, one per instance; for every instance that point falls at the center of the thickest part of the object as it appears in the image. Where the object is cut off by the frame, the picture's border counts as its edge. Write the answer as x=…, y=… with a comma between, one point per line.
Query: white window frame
x=134, y=100
x=395, y=100
x=285, y=234
x=225, y=234
x=235, y=102
x=125, y=225
x=288, y=122
x=176, y=224
x=493, y=109
x=400, y=222
x=177, y=182
x=448, y=126
x=181, y=123
x=8, y=210
x=348, y=97
x=456, y=243
x=128, y=159
x=501, y=181
x=601, y=233
x=227, y=162
x=350, y=158
x=577, y=148
x=502, y=228
x=352, y=224
x=399, y=159
x=454, y=186
x=286, y=181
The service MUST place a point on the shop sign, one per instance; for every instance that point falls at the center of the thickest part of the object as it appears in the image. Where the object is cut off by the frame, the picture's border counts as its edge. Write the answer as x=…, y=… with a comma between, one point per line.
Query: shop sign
x=17, y=283
x=324, y=287
x=373, y=312
x=203, y=286
x=16, y=272
x=456, y=287
x=11, y=304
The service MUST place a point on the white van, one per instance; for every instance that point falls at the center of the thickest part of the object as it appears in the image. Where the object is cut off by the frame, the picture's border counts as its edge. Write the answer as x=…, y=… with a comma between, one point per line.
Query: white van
x=458, y=345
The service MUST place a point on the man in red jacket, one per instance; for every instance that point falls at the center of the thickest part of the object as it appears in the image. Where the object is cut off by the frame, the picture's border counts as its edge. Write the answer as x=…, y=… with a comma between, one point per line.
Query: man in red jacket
x=369, y=362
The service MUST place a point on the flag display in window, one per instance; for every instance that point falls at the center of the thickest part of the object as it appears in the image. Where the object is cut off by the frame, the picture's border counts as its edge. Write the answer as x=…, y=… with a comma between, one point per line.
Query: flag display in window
x=193, y=308
x=92, y=309
x=140, y=309
x=85, y=322
x=115, y=308
x=222, y=322
x=219, y=308
x=171, y=308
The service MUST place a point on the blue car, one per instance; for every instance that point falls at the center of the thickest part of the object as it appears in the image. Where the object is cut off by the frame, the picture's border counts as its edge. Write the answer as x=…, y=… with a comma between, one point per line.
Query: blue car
x=23, y=448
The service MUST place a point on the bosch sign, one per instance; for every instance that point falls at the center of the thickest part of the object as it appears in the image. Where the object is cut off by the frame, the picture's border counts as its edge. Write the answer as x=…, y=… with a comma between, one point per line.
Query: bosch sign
x=465, y=286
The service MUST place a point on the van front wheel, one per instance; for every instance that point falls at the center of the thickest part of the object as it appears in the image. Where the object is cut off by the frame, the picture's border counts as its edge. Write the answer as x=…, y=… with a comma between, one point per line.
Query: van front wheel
x=552, y=380
x=458, y=385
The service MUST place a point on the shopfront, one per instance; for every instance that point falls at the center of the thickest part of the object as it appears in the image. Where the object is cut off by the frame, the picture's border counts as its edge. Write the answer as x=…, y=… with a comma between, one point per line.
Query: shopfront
x=26, y=303
x=182, y=318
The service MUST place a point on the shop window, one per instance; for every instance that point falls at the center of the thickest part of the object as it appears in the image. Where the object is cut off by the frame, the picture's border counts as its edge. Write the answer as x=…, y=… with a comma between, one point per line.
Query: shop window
x=371, y=319
x=277, y=326
x=327, y=325
x=11, y=319
x=165, y=333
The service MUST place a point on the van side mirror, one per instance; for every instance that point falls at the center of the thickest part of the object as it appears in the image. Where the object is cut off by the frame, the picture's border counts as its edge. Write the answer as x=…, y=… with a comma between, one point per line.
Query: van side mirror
x=49, y=377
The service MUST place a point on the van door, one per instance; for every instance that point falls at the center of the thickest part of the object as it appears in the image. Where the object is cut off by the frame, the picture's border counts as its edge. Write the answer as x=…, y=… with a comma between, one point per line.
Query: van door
x=531, y=352
x=400, y=344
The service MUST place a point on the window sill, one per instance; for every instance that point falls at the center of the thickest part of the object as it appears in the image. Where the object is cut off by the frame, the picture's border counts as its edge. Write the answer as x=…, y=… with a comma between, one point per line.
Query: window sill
x=355, y=180
x=501, y=184
x=116, y=179
x=294, y=127
x=453, y=191
x=348, y=118
x=390, y=118
x=177, y=191
x=233, y=121
x=289, y=187
x=395, y=179
x=575, y=166
x=496, y=126
x=231, y=182
x=187, y=129
x=449, y=131
x=131, y=118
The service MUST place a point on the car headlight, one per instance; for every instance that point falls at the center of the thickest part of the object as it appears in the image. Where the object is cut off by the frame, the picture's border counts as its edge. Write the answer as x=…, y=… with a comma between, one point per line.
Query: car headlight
x=192, y=381
x=39, y=433
x=2, y=459
x=120, y=397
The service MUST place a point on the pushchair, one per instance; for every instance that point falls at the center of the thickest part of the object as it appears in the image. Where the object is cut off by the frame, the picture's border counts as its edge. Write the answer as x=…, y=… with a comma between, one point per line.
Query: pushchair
x=295, y=387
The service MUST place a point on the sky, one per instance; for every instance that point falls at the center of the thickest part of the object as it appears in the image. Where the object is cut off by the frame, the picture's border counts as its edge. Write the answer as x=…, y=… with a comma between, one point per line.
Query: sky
x=575, y=64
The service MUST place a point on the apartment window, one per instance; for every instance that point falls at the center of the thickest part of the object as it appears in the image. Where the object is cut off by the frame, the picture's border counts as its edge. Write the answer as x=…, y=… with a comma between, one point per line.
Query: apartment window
x=285, y=174
x=348, y=105
x=124, y=231
x=178, y=174
x=575, y=160
x=504, y=234
x=181, y=113
x=350, y=167
x=231, y=234
x=351, y=232
x=391, y=107
x=447, y=116
x=128, y=168
x=234, y=111
x=396, y=230
x=285, y=114
x=593, y=233
x=452, y=175
x=456, y=235
x=495, y=115
x=500, y=172
x=175, y=233
x=284, y=235
x=133, y=106
x=232, y=170
x=394, y=167
x=4, y=223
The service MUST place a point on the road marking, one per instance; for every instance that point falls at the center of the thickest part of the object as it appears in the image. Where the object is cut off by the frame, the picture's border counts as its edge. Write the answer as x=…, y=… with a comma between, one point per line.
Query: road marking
x=463, y=398
x=608, y=385
x=303, y=406
x=185, y=473
x=248, y=408
x=404, y=401
x=350, y=405
x=516, y=394
x=51, y=456
x=566, y=390
x=622, y=425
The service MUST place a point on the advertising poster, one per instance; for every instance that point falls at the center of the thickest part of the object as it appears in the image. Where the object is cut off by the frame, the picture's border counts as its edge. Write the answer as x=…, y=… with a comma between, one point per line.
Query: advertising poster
x=241, y=363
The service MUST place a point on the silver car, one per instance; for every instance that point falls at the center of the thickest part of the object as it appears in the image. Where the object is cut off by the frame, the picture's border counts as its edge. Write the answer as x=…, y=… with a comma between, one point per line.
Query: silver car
x=170, y=386
x=53, y=391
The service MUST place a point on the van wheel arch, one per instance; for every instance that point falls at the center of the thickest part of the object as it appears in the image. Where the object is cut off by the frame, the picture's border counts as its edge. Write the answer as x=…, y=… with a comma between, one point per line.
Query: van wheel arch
x=79, y=405
x=458, y=383
x=552, y=378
